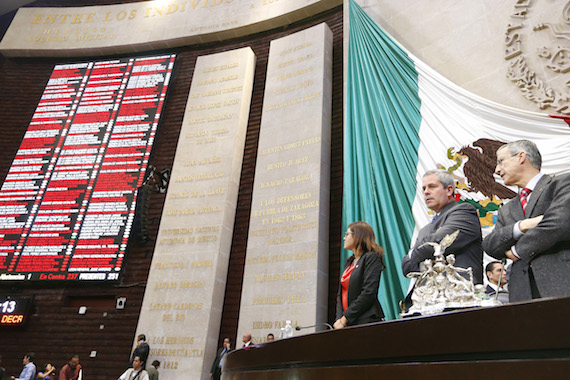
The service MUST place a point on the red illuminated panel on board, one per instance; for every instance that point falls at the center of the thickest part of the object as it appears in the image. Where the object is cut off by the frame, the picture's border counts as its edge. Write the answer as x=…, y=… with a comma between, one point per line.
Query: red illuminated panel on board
x=67, y=204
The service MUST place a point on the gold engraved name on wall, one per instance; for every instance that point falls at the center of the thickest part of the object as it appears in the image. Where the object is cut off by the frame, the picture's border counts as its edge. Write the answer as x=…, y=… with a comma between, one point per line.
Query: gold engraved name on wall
x=537, y=51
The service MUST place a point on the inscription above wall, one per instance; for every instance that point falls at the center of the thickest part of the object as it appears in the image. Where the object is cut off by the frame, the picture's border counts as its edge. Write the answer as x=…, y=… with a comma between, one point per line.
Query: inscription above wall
x=159, y=24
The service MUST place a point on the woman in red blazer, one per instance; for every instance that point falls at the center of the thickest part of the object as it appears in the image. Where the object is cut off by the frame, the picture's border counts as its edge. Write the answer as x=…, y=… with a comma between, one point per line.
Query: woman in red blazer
x=357, y=298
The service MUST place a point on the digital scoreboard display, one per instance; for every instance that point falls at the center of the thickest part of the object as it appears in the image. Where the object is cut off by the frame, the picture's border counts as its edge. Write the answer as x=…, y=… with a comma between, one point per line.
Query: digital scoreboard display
x=67, y=204
x=14, y=311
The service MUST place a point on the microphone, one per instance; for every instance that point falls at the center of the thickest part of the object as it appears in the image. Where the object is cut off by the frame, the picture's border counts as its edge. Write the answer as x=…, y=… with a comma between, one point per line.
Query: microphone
x=329, y=327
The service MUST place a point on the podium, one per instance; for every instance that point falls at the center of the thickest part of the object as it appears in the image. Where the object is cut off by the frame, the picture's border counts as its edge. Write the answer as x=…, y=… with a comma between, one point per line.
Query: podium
x=526, y=340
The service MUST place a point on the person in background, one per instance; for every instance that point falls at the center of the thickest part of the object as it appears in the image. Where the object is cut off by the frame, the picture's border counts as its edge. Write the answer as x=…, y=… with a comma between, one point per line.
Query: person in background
x=497, y=277
x=246, y=339
x=47, y=373
x=141, y=350
x=357, y=298
x=29, y=370
x=216, y=371
x=135, y=373
x=72, y=370
x=270, y=337
x=153, y=370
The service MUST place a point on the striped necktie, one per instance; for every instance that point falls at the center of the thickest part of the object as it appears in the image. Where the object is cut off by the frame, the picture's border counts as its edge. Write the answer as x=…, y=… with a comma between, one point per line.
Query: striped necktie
x=524, y=198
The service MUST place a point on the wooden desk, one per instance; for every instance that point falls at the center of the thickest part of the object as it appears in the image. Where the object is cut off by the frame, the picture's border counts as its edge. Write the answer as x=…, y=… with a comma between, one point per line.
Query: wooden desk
x=527, y=340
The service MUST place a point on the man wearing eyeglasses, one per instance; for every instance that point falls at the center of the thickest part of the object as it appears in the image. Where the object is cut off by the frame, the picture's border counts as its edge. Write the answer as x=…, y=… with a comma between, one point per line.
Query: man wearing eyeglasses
x=533, y=229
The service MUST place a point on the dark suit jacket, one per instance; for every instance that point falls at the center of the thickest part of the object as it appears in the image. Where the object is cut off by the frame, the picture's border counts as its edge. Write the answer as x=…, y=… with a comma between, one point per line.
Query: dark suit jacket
x=142, y=352
x=216, y=364
x=546, y=247
x=363, y=304
x=466, y=247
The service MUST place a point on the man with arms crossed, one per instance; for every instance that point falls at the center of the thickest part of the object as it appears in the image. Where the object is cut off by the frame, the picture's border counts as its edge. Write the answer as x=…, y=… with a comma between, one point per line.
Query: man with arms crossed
x=533, y=230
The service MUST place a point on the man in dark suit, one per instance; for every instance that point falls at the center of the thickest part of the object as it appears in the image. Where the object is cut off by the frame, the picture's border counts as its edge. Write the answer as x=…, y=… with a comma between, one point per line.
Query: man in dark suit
x=497, y=277
x=533, y=230
x=439, y=194
x=216, y=370
x=142, y=350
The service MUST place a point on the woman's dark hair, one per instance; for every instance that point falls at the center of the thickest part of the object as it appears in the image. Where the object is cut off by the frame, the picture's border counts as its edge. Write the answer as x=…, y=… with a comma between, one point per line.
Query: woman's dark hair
x=364, y=239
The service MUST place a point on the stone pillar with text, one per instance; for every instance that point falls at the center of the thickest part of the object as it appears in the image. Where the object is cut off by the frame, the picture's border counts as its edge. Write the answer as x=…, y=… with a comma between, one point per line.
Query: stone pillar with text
x=286, y=270
x=182, y=306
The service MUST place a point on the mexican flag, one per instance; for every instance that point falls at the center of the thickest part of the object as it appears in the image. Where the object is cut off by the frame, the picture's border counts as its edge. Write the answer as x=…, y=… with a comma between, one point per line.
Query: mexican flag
x=402, y=119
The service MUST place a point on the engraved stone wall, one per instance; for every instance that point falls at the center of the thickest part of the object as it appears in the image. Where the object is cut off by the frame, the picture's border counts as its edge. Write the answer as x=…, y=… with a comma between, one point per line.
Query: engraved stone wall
x=182, y=306
x=285, y=275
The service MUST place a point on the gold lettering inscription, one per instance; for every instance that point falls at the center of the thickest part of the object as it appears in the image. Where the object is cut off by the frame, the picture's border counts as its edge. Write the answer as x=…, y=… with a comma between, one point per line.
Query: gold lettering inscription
x=284, y=90
x=62, y=18
x=279, y=300
x=226, y=116
x=172, y=265
x=221, y=91
x=284, y=229
x=229, y=66
x=289, y=180
x=202, y=263
x=217, y=80
x=283, y=209
x=295, y=73
x=172, y=340
x=170, y=365
x=284, y=219
x=179, y=352
x=296, y=48
x=280, y=277
x=281, y=240
x=188, y=306
x=199, y=177
x=207, y=238
x=293, y=198
x=257, y=325
x=304, y=58
x=192, y=284
x=204, y=161
x=179, y=340
x=208, y=229
x=166, y=285
x=209, y=209
x=178, y=231
x=160, y=306
x=198, y=121
x=281, y=258
x=176, y=212
x=293, y=145
x=287, y=63
x=193, y=134
x=201, y=107
x=172, y=241
x=291, y=102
